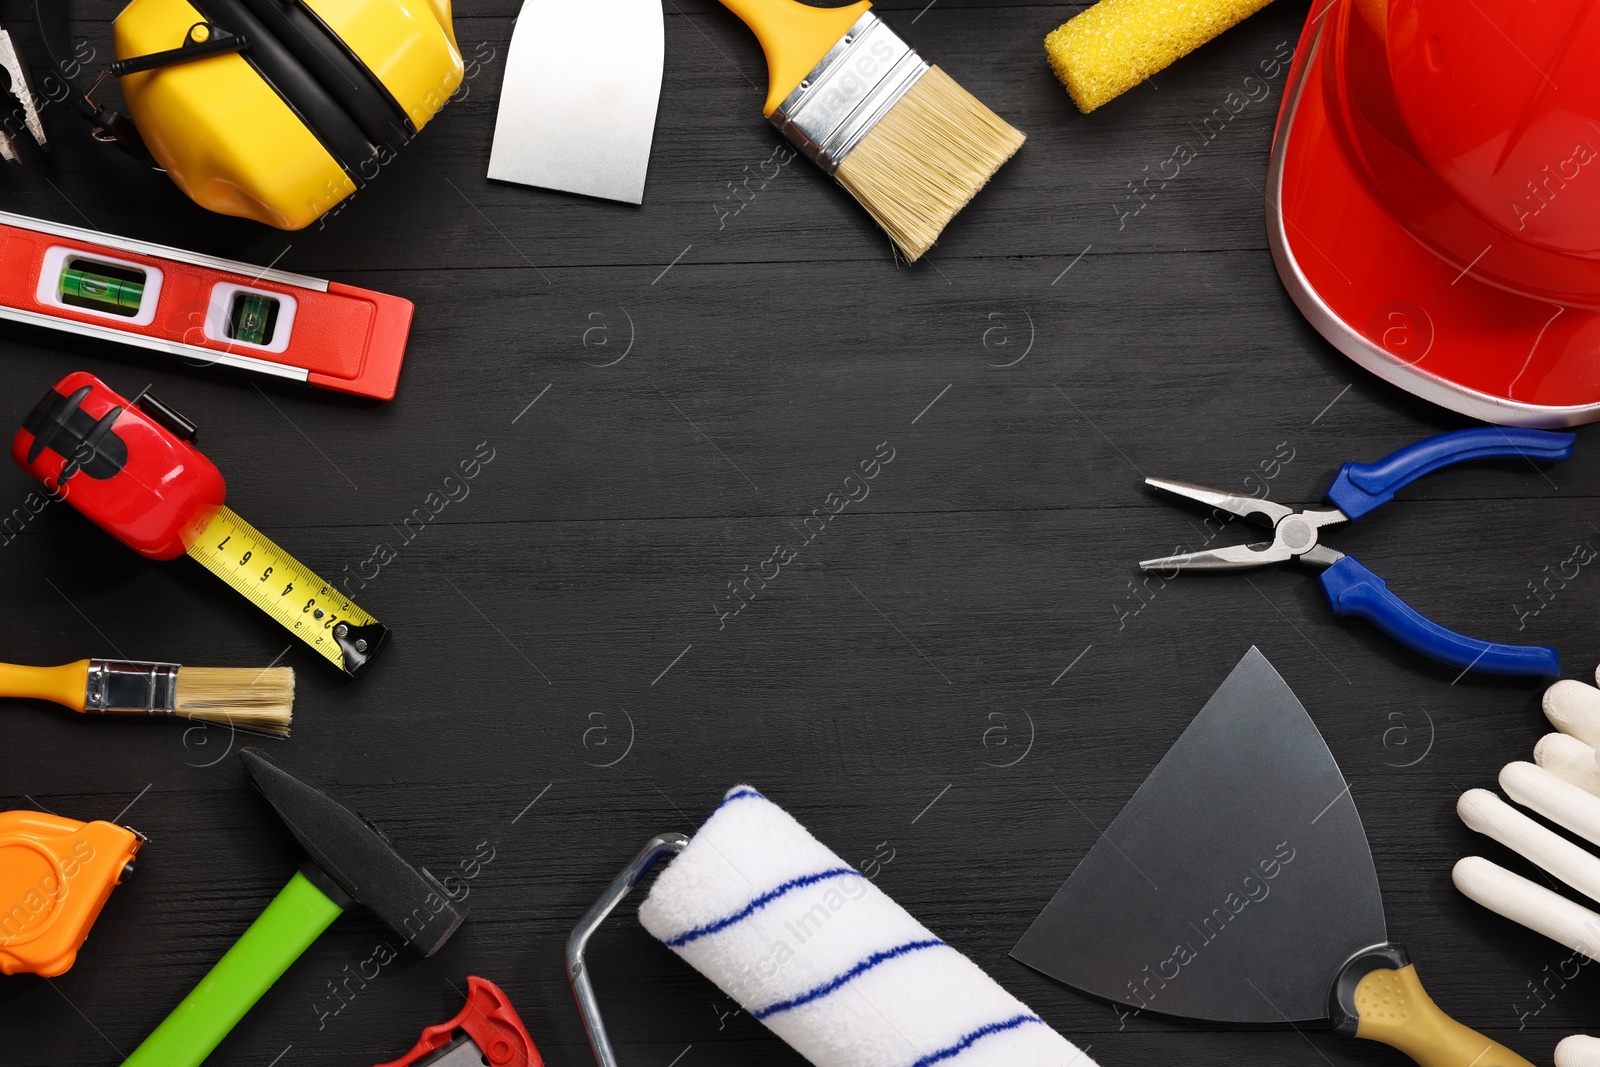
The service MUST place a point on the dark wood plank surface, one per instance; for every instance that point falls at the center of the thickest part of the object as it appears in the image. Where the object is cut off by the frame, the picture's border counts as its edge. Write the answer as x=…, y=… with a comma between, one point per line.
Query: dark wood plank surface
x=557, y=631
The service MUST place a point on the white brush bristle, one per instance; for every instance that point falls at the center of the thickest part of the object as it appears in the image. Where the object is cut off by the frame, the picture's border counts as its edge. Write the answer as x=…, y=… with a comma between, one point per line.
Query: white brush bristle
x=248, y=698
x=926, y=159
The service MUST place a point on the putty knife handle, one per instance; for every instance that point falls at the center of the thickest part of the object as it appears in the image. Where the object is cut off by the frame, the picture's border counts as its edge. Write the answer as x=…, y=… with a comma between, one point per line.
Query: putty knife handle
x=1361, y=487
x=294, y=919
x=1378, y=997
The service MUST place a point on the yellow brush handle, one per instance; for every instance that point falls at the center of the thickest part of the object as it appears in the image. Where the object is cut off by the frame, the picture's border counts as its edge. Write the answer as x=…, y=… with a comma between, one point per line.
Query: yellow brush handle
x=795, y=37
x=1392, y=1007
x=66, y=685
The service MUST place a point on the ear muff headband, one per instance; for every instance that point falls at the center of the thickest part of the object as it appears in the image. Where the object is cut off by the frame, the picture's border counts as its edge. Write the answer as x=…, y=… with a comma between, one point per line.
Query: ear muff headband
x=339, y=71
x=304, y=95
x=54, y=33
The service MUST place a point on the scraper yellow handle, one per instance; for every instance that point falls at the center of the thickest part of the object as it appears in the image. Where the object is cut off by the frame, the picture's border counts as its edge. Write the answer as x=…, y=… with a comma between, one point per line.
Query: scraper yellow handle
x=1388, y=1004
x=795, y=37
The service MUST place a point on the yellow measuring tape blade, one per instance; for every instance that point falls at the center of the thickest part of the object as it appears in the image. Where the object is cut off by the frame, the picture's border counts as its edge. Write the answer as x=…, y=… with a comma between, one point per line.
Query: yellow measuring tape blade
x=289, y=591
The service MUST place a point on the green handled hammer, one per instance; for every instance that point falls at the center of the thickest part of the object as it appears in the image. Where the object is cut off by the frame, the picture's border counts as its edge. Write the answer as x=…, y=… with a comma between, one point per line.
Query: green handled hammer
x=348, y=861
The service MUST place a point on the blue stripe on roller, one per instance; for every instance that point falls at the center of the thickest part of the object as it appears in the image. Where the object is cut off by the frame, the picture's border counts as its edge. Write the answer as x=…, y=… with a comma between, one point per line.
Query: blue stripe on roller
x=743, y=794
x=859, y=969
x=977, y=1035
x=757, y=904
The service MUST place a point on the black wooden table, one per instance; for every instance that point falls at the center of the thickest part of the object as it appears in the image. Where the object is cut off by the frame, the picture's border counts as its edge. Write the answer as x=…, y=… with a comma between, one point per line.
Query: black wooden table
x=963, y=672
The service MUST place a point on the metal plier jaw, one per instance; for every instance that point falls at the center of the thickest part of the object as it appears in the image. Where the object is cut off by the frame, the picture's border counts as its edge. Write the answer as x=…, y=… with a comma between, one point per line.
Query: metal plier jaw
x=1294, y=533
x=1351, y=588
x=22, y=91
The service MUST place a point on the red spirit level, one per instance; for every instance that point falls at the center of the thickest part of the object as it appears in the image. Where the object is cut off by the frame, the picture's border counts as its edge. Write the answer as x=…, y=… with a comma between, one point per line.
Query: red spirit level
x=131, y=466
x=202, y=308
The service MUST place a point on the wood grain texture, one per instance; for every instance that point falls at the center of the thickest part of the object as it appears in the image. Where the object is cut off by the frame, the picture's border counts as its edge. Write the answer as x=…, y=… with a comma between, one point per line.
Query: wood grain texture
x=684, y=421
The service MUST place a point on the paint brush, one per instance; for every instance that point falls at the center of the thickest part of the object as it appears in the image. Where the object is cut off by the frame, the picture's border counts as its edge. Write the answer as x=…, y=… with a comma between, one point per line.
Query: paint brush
x=902, y=137
x=250, y=699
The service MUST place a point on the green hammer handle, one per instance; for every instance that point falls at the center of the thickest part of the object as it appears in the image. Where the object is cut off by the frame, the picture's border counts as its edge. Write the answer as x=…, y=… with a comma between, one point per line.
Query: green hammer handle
x=294, y=919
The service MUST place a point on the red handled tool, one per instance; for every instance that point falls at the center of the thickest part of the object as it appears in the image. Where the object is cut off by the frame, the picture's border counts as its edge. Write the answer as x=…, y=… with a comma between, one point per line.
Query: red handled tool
x=486, y=1030
x=202, y=308
x=132, y=467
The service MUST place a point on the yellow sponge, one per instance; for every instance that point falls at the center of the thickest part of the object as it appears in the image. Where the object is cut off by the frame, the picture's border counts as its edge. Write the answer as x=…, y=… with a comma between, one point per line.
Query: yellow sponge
x=1106, y=50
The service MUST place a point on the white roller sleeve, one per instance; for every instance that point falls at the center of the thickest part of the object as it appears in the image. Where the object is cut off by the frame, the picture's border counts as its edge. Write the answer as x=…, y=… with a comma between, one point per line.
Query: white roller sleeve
x=1559, y=801
x=808, y=945
x=1574, y=708
x=1578, y=1051
x=1530, y=904
x=1570, y=759
x=1486, y=813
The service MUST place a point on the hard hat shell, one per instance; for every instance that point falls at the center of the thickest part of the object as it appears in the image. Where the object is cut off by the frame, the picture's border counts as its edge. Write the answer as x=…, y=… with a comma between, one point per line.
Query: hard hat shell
x=1434, y=199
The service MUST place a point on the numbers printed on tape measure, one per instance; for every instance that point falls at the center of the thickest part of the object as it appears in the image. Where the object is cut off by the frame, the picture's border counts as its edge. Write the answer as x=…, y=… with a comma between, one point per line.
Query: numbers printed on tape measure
x=282, y=586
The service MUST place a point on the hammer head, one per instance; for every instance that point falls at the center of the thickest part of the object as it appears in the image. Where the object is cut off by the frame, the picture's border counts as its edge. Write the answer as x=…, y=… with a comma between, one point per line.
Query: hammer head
x=358, y=858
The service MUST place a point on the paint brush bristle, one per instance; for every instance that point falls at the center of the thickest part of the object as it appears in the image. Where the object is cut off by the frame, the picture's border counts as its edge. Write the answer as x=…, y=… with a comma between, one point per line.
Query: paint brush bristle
x=925, y=159
x=248, y=698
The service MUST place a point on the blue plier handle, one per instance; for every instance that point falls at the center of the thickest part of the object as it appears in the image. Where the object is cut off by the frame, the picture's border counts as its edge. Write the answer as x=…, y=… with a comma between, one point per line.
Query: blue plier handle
x=1362, y=487
x=1351, y=588
x=1354, y=590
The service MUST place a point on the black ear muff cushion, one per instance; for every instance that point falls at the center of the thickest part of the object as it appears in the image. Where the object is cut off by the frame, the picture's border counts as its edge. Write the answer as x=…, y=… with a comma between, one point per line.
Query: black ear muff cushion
x=279, y=67
x=338, y=69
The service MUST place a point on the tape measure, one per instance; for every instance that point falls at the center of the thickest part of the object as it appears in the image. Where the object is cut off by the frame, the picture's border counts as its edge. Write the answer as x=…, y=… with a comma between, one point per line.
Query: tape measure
x=132, y=467
x=55, y=876
x=287, y=589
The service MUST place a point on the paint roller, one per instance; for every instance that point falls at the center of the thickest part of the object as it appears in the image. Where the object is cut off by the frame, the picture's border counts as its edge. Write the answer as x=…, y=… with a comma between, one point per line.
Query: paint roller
x=1105, y=50
x=812, y=948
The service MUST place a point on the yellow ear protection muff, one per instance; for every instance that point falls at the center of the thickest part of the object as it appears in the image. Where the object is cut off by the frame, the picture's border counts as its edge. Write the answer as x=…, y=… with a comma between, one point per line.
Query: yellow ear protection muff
x=274, y=110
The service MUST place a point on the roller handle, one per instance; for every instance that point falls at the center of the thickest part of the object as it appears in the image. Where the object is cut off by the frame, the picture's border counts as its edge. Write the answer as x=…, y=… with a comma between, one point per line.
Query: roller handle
x=795, y=38
x=288, y=926
x=66, y=685
x=1378, y=997
x=1361, y=487
x=1353, y=590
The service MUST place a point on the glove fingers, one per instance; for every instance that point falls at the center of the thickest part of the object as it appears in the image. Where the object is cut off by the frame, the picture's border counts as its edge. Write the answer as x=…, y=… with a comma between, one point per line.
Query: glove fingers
x=1570, y=760
x=1541, y=910
x=1574, y=708
x=1578, y=1051
x=1486, y=813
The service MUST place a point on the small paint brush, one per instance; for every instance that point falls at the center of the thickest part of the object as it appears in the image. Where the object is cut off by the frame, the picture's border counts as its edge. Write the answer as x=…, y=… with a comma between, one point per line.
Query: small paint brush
x=902, y=137
x=260, y=701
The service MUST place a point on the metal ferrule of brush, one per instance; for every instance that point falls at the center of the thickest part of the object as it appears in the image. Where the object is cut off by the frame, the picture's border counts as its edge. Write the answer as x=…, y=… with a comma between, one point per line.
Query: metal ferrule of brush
x=843, y=98
x=128, y=686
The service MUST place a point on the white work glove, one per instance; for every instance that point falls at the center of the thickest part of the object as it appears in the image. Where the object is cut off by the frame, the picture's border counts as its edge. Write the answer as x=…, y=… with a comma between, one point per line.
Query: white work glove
x=1563, y=785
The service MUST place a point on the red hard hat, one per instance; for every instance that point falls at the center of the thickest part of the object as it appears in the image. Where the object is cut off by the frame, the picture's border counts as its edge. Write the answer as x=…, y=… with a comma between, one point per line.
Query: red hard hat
x=1434, y=198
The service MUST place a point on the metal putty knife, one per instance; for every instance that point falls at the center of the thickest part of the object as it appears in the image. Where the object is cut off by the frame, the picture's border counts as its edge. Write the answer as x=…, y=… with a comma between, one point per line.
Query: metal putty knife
x=1237, y=885
x=578, y=104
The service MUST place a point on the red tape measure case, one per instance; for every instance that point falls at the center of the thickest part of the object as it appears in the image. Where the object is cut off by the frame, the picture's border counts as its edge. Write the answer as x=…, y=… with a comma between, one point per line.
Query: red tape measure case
x=130, y=466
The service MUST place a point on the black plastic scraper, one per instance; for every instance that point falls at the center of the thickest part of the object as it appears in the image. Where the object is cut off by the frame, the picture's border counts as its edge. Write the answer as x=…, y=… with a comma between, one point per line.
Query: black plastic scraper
x=1237, y=885
x=349, y=861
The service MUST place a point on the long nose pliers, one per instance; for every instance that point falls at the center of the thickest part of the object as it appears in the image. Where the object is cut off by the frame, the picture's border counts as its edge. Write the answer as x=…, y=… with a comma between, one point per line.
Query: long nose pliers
x=1351, y=588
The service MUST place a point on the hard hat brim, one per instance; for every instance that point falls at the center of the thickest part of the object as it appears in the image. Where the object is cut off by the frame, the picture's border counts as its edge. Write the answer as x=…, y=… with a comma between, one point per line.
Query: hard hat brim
x=1398, y=308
